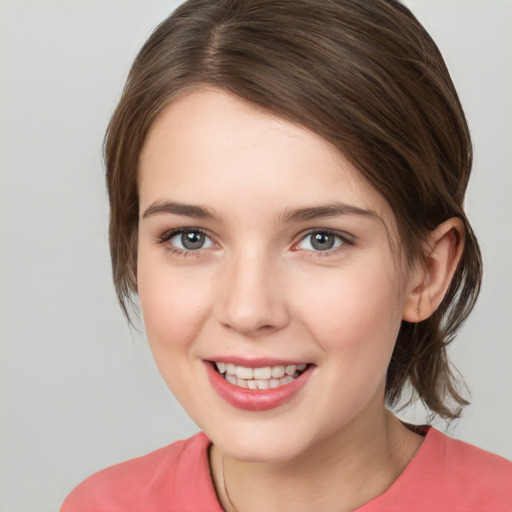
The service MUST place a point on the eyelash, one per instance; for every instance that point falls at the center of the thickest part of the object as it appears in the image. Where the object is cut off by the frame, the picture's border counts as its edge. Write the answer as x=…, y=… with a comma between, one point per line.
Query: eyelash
x=346, y=240
x=168, y=235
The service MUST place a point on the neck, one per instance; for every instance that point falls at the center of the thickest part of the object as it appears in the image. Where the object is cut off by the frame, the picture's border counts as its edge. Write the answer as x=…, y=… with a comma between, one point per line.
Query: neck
x=340, y=473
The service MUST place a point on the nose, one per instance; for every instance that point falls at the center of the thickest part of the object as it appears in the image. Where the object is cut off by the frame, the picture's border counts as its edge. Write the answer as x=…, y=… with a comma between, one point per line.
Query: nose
x=252, y=297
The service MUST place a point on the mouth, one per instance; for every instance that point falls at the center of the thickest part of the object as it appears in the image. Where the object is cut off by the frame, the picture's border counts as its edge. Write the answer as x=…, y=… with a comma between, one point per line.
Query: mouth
x=263, y=377
x=264, y=385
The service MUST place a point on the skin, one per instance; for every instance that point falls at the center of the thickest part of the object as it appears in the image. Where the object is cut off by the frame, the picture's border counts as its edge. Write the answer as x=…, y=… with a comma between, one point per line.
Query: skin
x=258, y=288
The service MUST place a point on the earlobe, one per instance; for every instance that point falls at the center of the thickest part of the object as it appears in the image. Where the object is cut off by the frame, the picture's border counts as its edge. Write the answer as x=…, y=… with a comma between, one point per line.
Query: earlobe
x=429, y=283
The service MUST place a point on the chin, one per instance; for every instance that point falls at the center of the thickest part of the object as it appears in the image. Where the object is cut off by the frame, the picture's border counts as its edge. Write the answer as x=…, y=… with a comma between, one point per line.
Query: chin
x=268, y=447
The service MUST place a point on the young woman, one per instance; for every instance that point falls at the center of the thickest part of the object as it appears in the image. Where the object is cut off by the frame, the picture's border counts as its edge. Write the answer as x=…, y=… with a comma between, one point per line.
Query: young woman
x=286, y=183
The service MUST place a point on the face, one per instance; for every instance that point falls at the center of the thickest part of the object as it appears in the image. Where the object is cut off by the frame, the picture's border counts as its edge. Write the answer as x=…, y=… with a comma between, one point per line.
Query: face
x=263, y=250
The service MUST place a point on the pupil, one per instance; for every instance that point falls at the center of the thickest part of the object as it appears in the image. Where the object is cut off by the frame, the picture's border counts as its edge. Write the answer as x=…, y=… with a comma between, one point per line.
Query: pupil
x=322, y=241
x=192, y=240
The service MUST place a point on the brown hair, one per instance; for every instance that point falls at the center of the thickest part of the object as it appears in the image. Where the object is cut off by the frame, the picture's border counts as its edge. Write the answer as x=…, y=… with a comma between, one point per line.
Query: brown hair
x=362, y=74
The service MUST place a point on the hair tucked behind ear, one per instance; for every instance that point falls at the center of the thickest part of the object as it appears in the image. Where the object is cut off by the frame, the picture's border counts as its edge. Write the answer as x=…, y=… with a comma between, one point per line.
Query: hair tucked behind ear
x=420, y=355
x=365, y=76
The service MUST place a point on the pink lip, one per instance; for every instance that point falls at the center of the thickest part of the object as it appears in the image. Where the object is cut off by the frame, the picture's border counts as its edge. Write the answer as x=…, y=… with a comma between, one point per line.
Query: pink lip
x=255, y=399
x=257, y=362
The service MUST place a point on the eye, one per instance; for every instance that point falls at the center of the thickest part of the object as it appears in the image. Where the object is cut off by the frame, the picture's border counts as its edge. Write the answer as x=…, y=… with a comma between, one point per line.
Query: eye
x=321, y=240
x=189, y=240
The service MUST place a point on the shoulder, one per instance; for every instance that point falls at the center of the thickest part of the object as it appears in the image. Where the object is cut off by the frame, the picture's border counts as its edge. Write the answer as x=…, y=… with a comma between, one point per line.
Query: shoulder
x=475, y=475
x=467, y=460
x=447, y=475
x=459, y=476
x=144, y=483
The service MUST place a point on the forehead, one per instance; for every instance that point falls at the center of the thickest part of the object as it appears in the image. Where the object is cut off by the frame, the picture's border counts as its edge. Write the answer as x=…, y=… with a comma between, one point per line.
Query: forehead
x=212, y=147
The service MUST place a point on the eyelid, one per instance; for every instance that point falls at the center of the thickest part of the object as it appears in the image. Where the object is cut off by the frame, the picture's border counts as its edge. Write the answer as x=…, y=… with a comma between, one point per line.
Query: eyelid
x=169, y=233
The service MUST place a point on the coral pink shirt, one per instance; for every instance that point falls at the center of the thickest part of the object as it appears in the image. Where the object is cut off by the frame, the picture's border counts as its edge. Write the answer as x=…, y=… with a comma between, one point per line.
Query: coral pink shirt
x=445, y=475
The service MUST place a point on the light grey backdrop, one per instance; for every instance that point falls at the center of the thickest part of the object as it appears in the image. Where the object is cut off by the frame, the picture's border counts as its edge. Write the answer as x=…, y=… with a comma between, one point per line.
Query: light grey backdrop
x=79, y=391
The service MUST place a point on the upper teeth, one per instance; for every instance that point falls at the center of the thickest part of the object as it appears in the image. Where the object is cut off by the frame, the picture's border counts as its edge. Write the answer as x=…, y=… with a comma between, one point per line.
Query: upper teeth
x=264, y=372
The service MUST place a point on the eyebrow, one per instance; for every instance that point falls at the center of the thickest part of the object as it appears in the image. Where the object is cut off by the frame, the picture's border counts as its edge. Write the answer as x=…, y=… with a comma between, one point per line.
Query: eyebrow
x=328, y=210
x=288, y=216
x=187, y=210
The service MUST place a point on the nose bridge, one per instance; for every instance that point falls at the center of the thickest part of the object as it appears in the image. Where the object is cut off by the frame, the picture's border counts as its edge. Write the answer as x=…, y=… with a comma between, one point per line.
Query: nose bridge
x=253, y=299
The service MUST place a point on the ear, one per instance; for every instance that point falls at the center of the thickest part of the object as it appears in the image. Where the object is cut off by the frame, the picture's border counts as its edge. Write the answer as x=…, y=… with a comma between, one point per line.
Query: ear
x=428, y=284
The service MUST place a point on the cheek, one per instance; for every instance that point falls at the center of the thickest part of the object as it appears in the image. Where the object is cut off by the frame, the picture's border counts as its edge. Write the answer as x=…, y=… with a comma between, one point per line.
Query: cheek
x=354, y=312
x=174, y=304
x=355, y=321
x=174, y=307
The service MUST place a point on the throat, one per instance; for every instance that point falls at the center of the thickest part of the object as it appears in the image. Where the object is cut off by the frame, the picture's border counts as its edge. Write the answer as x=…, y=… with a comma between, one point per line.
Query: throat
x=327, y=477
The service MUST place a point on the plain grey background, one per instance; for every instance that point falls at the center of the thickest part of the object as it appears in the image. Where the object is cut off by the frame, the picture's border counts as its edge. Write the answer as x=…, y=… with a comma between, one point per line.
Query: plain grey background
x=79, y=390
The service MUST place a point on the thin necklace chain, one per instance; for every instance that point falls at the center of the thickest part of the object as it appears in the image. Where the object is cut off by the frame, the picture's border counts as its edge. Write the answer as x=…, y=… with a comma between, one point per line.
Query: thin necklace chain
x=226, y=488
x=230, y=502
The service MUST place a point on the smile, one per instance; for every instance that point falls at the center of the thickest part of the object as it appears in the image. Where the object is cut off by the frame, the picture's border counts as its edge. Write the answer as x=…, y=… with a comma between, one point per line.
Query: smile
x=264, y=377
x=258, y=388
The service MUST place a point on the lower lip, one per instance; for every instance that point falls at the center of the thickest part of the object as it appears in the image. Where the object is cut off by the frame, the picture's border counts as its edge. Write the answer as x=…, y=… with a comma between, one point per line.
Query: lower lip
x=256, y=399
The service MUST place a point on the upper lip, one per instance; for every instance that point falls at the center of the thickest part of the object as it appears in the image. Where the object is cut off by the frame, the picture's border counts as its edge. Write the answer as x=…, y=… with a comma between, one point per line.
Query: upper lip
x=256, y=362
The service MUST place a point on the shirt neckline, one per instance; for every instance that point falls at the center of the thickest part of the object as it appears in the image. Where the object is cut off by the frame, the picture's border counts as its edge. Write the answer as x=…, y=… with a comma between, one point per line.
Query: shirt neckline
x=209, y=497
